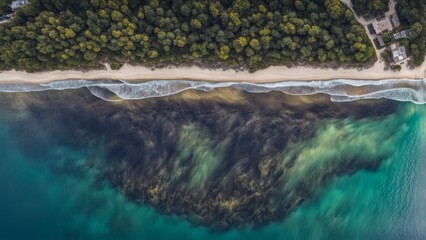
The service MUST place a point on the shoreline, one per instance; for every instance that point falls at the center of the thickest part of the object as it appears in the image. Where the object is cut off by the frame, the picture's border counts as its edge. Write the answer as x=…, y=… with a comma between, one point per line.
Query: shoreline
x=268, y=75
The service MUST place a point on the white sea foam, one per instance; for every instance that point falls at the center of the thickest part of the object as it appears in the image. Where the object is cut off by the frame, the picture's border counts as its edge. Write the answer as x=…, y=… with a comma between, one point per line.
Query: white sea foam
x=340, y=90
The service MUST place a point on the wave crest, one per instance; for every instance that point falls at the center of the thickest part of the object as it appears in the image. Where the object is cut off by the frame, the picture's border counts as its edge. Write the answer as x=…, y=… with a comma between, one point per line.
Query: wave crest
x=340, y=90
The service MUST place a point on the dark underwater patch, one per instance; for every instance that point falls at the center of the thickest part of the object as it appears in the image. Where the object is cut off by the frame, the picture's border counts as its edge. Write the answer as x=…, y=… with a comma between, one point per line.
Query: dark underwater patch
x=215, y=162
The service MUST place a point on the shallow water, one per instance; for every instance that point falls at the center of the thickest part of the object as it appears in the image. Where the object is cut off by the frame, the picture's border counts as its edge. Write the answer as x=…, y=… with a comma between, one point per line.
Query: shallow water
x=361, y=167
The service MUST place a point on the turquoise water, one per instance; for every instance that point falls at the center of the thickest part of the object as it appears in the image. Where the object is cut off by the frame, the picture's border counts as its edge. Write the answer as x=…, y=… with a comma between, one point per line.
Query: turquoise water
x=52, y=192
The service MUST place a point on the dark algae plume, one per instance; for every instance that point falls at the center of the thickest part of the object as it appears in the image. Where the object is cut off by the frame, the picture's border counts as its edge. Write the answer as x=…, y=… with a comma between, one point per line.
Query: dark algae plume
x=222, y=159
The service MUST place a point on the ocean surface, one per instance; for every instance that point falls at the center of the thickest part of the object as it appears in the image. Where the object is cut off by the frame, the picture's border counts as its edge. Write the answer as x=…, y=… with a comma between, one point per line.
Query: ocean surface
x=234, y=161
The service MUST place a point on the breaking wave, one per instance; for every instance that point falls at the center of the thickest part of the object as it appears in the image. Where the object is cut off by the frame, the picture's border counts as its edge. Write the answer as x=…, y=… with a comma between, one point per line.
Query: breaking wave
x=339, y=90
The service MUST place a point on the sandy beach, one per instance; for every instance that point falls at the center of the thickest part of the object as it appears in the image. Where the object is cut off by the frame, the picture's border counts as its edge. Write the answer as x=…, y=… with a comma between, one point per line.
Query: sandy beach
x=271, y=74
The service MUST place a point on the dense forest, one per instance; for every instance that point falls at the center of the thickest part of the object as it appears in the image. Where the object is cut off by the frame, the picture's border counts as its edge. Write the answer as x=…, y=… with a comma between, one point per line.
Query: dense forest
x=60, y=34
x=4, y=7
x=412, y=13
x=370, y=8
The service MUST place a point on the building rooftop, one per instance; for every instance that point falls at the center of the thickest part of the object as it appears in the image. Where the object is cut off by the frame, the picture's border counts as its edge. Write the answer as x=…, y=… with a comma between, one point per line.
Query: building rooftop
x=380, y=40
x=5, y=17
x=395, y=20
x=371, y=29
x=382, y=25
x=18, y=4
x=402, y=34
x=399, y=53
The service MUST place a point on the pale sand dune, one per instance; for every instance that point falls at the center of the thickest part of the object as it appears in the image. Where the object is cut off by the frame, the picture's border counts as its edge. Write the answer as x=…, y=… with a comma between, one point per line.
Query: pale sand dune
x=271, y=74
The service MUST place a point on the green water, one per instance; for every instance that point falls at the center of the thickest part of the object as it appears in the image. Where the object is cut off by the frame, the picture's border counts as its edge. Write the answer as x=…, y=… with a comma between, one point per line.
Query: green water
x=54, y=195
